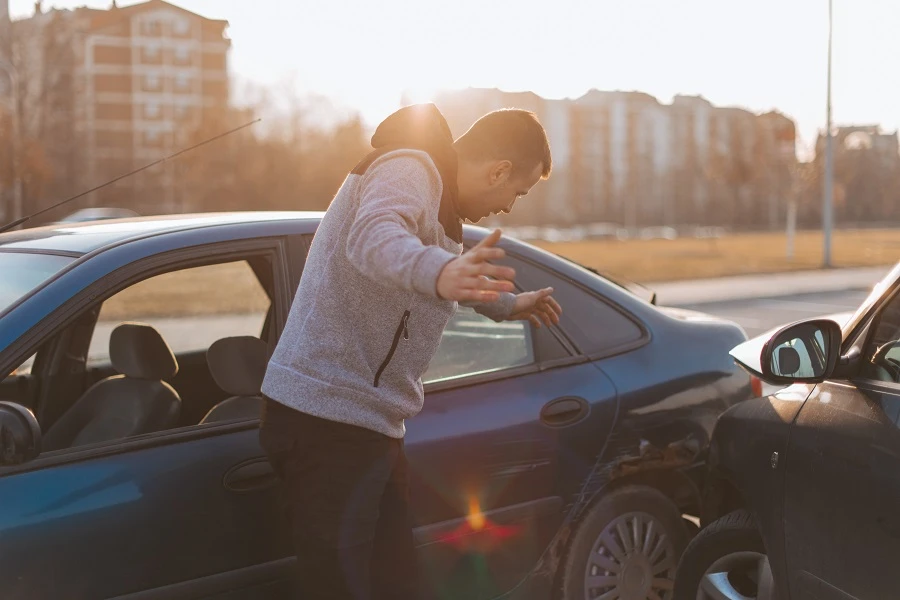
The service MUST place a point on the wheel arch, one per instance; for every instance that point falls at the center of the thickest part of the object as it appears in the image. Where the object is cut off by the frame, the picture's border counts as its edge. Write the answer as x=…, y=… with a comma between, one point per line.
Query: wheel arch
x=721, y=496
x=673, y=483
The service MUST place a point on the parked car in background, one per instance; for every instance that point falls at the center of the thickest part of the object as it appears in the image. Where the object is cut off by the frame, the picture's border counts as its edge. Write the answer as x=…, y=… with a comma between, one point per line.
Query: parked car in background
x=804, y=485
x=658, y=233
x=553, y=459
x=98, y=214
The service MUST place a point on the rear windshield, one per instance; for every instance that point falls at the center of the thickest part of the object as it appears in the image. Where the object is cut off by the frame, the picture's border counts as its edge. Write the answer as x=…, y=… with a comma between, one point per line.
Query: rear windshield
x=21, y=273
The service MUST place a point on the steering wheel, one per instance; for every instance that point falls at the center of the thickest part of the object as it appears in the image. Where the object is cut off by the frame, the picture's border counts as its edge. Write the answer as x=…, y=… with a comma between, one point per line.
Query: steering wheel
x=891, y=365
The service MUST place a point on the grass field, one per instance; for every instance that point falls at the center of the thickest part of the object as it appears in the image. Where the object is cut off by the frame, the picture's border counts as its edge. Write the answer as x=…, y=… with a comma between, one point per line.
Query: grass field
x=687, y=258
x=233, y=289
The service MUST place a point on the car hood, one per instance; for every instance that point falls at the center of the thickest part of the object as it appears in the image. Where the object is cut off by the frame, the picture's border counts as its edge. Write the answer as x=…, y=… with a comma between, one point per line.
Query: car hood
x=749, y=354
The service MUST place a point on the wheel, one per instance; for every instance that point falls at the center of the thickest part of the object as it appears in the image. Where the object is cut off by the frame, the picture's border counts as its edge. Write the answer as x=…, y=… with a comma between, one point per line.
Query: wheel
x=726, y=561
x=625, y=548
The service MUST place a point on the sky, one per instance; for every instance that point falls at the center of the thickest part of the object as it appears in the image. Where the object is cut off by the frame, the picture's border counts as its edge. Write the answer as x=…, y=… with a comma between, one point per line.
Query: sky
x=761, y=55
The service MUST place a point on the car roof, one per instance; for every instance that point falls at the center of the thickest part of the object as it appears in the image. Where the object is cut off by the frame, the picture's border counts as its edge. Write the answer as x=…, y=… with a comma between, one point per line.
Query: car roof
x=81, y=238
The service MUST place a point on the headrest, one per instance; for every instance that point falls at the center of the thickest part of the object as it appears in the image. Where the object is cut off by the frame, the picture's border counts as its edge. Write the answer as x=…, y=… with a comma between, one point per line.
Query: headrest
x=788, y=360
x=238, y=364
x=139, y=351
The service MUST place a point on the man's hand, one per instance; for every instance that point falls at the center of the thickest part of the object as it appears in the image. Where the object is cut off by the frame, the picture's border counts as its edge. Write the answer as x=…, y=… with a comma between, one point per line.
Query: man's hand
x=467, y=277
x=537, y=307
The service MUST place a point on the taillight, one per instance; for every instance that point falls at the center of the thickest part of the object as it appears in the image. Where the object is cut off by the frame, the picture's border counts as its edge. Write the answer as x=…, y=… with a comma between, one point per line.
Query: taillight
x=756, y=385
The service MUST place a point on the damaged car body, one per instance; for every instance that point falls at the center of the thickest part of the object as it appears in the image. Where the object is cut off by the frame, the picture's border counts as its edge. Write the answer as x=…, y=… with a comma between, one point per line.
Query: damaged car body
x=546, y=461
x=801, y=497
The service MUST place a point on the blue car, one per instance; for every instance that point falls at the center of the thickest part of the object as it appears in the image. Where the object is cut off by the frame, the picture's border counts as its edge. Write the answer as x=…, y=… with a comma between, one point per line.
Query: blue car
x=547, y=462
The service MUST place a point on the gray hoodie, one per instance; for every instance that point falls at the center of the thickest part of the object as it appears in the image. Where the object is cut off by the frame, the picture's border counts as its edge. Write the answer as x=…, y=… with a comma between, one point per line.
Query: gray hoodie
x=366, y=319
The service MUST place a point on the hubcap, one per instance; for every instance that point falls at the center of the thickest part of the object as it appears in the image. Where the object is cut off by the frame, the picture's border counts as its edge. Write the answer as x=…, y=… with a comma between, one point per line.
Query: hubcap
x=632, y=559
x=738, y=576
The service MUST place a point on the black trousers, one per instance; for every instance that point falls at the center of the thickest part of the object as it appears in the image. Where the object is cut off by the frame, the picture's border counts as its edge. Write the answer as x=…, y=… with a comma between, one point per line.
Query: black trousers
x=347, y=494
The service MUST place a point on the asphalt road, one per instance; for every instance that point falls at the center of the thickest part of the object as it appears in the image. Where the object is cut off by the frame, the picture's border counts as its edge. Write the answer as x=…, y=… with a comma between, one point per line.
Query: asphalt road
x=759, y=315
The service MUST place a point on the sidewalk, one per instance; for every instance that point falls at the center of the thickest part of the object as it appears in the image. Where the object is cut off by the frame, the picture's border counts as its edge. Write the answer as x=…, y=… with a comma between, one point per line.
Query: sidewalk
x=745, y=287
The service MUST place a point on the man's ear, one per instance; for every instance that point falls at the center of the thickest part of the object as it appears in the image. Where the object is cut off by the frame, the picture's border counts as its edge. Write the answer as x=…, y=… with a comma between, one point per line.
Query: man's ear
x=500, y=172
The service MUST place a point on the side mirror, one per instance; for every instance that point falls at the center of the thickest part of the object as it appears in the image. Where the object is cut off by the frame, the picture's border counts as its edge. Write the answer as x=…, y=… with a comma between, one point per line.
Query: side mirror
x=806, y=352
x=20, y=434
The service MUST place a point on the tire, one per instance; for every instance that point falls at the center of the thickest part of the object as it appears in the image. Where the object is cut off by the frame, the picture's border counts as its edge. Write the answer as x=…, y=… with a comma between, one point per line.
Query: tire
x=728, y=554
x=602, y=557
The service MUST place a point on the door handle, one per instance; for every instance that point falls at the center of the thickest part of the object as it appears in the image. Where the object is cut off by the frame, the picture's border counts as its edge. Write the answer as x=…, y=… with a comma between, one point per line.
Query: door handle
x=562, y=412
x=250, y=476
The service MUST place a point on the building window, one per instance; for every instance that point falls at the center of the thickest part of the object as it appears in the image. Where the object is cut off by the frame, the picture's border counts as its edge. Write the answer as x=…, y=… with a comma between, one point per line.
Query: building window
x=181, y=111
x=151, y=110
x=151, y=81
x=151, y=28
x=182, y=55
x=182, y=82
x=151, y=53
x=181, y=27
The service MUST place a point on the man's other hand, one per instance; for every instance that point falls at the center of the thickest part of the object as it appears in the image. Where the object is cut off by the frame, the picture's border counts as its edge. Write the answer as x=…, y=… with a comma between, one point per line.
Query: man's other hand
x=538, y=307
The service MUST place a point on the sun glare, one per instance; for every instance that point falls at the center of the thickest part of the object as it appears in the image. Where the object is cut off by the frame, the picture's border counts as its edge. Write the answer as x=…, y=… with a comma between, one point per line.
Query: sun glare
x=476, y=517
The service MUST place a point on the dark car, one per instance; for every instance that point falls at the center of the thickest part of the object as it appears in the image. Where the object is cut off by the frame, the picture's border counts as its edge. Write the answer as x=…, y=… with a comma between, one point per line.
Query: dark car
x=561, y=457
x=804, y=488
x=97, y=214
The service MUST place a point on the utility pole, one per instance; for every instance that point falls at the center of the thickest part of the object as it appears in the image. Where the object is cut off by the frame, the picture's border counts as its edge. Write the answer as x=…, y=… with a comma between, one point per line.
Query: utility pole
x=828, y=198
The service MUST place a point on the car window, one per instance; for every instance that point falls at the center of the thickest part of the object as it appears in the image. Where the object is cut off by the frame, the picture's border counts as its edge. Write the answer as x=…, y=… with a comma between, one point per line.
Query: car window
x=23, y=272
x=16, y=386
x=881, y=357
x=163, y=377
x=871, y=300
x=594, y=325
x=474, y=344
x=191, y=308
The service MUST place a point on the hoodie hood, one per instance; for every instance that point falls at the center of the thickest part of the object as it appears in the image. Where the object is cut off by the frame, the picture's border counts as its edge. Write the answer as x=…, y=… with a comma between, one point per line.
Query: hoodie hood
x=423, y=127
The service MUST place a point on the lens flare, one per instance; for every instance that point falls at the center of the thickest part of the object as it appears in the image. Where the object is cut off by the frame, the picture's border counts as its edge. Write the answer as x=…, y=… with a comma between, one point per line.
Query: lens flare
x=476, y=517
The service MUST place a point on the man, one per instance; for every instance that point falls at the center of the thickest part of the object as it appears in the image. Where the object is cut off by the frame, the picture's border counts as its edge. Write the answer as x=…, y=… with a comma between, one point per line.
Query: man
x=382, y=279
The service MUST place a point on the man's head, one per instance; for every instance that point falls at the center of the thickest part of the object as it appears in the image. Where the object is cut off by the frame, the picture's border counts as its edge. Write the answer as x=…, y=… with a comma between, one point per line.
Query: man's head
x=501, y=157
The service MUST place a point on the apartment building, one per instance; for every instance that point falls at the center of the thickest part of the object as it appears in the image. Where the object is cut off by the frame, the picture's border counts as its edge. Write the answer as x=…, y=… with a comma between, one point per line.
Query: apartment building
x=628, y=158
x=125, y=86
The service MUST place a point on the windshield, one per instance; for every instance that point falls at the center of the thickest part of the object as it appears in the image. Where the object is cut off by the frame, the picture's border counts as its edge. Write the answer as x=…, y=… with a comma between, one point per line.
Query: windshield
x=872, y=299
x=20, y=273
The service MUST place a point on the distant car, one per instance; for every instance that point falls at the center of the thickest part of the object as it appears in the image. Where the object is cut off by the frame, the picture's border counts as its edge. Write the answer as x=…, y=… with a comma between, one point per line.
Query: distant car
x=658, y=233
x=606, y=231
x=553, y=459
x=98, y=214
x=804, y=487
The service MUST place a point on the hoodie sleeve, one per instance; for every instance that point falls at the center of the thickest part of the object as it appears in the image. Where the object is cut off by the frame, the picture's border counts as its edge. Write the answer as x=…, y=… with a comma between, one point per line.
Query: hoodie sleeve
x=383, y=242
x=499, y=310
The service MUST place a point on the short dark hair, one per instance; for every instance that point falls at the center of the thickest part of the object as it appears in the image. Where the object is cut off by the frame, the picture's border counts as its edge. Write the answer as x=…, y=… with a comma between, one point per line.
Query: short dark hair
x=509, y=134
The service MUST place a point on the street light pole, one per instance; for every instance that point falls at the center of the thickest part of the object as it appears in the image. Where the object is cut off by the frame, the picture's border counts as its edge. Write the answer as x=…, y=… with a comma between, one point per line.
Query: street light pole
x=828, y=197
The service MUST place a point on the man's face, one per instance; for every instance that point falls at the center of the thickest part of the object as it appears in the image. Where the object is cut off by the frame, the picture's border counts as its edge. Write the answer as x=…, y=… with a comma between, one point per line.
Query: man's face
x=492, y=188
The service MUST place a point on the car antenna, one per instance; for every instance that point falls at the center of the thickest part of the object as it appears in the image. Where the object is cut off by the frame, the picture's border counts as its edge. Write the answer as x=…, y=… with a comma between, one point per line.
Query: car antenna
x=18, y=222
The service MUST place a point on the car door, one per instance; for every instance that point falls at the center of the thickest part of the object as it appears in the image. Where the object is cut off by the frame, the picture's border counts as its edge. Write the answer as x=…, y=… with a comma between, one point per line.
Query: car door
x=187, y=512
x=512, y=421
x=842, y=525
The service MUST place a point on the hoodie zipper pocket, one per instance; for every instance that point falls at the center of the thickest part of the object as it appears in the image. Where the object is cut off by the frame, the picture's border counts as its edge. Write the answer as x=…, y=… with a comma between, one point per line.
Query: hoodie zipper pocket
x=402, y=329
